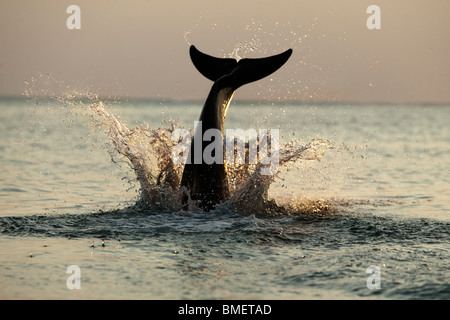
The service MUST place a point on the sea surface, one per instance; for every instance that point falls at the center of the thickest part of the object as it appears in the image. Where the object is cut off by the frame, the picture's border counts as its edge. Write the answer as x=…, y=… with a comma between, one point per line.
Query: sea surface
x=365, y=217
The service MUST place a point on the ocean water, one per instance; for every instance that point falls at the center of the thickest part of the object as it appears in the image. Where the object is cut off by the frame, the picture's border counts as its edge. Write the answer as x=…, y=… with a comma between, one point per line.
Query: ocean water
x=359, y=210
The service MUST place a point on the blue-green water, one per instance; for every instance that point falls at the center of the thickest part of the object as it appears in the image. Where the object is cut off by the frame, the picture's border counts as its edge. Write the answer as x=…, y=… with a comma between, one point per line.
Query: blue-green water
x=64, y=202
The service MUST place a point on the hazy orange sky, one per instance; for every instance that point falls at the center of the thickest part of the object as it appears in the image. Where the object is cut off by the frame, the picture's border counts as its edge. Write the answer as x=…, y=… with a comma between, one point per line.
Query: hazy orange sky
x=139, y=49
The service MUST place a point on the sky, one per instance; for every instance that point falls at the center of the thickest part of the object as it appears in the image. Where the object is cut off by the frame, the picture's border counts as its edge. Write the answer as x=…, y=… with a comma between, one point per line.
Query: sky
x=140, y=49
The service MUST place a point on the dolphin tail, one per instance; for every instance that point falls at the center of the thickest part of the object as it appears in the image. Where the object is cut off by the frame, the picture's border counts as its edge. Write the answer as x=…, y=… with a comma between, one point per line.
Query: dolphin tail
x=245, y=71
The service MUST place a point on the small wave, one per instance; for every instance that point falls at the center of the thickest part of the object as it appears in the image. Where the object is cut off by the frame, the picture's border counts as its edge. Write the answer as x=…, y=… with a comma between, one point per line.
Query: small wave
x=134, y=223
x=11, y=190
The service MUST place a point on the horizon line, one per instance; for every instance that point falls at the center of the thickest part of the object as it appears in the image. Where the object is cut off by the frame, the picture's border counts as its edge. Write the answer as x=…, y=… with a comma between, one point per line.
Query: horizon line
x=176, y=101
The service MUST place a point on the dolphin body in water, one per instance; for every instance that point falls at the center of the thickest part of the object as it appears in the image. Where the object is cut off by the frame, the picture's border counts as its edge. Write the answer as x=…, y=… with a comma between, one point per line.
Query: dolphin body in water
x=206, y=183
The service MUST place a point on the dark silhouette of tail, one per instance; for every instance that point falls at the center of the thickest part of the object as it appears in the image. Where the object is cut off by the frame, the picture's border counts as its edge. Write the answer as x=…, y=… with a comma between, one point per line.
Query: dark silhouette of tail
x=207, y=183
x=244, y=71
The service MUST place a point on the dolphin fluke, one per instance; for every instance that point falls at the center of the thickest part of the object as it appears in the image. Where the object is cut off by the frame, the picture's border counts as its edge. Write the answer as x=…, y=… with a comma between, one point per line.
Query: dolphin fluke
x=207, y=182
x=245, y=71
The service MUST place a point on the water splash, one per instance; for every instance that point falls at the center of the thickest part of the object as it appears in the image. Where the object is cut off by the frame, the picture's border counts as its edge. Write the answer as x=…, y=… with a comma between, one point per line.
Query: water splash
x=148, y=152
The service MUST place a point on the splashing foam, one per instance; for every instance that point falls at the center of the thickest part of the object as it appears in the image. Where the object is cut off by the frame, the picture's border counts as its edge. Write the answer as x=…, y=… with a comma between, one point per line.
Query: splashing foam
x=148, y=152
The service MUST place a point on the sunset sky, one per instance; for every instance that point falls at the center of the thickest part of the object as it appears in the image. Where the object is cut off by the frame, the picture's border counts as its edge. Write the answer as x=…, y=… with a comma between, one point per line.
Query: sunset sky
x=139, y=49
